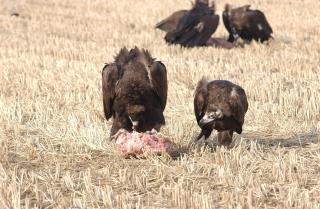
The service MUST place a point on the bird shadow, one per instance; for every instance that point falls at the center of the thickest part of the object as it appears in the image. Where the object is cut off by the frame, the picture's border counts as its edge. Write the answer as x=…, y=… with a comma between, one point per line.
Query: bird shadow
x=180, y=152
x=296, y=141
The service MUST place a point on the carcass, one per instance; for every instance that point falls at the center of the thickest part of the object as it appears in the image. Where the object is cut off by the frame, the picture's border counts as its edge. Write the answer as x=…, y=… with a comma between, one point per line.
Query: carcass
x=135, y=144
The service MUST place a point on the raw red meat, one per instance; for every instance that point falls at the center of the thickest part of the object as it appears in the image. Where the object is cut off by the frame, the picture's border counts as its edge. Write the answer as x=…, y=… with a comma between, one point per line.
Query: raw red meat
x=141, y=144
x=219, y=42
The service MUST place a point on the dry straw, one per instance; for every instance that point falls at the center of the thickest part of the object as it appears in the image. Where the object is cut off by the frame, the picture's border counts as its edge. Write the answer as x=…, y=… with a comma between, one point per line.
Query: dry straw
x=55, y=151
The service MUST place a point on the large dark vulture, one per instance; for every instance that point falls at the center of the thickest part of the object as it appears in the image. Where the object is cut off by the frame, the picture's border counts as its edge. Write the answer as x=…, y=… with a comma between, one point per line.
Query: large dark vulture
x=170, y=23
x=220, y=105
x=134, y=91
x=196, y=26
x=246, y=23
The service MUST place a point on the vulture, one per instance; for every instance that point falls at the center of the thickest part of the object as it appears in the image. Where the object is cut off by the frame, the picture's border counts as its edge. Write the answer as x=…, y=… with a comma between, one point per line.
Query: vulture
x=195, y=27
x=246, y=23
x=134, y=89
x=170, y=23
x=219, y=105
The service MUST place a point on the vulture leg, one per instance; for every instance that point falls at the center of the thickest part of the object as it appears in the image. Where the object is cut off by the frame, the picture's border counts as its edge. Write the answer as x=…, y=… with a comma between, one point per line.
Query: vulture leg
x=114, y=129
x=204, y=133
x=234, y=34
x=230, y=38
x=225, y=137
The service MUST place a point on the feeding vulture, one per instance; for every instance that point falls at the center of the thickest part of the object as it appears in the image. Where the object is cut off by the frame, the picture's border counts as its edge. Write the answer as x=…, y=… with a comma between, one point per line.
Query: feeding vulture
x=195, y=27
x=219, y=105
x=134, y=91
x=246, y=23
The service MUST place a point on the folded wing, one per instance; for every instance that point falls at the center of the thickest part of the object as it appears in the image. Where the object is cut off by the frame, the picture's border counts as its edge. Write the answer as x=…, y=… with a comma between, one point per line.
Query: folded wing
x=238, y=104
x=159, y=82
x=170, y=23
x=259, y=26
x=200, y=99
x=195, y=27
x=195, y=31
x=110, y=76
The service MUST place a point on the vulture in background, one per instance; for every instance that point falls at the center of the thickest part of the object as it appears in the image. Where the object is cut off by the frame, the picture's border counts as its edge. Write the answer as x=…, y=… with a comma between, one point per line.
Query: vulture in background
x=170, y=23
x=134, y=91
x=195, y=27
x=246, y=23
x=220, y=105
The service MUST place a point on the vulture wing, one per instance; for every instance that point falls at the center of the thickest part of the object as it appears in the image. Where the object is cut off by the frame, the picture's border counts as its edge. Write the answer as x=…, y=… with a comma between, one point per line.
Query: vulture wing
x=239, y=16
x=170, y=23
x=158, y=73
x=239, y=104
x=195, y=27
x=200, y=99
x=110, y=76
x=258, y=25
x=195, y=33
x=226, y=21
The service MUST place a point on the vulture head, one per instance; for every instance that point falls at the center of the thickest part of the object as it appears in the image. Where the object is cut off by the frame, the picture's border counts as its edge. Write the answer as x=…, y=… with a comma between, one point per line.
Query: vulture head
x=136, y=114
x=211, y=115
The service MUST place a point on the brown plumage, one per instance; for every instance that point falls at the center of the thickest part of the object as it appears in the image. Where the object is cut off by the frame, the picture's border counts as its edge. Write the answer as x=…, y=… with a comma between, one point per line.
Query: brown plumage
x=246, y=23
x=170, y=23
x=195, y=27
x=220, y=105
x=134, y=91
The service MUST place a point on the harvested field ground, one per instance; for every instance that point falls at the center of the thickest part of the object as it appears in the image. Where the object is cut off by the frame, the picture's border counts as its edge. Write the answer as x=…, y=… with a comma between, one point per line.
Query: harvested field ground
x=55, y=151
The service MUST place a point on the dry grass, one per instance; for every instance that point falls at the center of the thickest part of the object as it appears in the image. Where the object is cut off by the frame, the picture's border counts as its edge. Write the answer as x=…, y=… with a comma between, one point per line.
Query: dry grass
x=54, y=148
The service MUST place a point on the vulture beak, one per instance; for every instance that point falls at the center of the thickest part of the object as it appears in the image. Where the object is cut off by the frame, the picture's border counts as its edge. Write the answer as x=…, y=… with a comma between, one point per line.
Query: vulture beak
x=135, y=124
x=206, y=120
x=210, y=117
x=115, y=136
x=152, y=132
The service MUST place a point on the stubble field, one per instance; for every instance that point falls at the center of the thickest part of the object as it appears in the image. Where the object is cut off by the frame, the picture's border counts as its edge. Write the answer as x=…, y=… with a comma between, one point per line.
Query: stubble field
x=55, y=151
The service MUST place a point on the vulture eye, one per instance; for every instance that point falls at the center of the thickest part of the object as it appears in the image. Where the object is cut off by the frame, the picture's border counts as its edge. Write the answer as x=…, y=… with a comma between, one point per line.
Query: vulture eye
x=212, y=115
